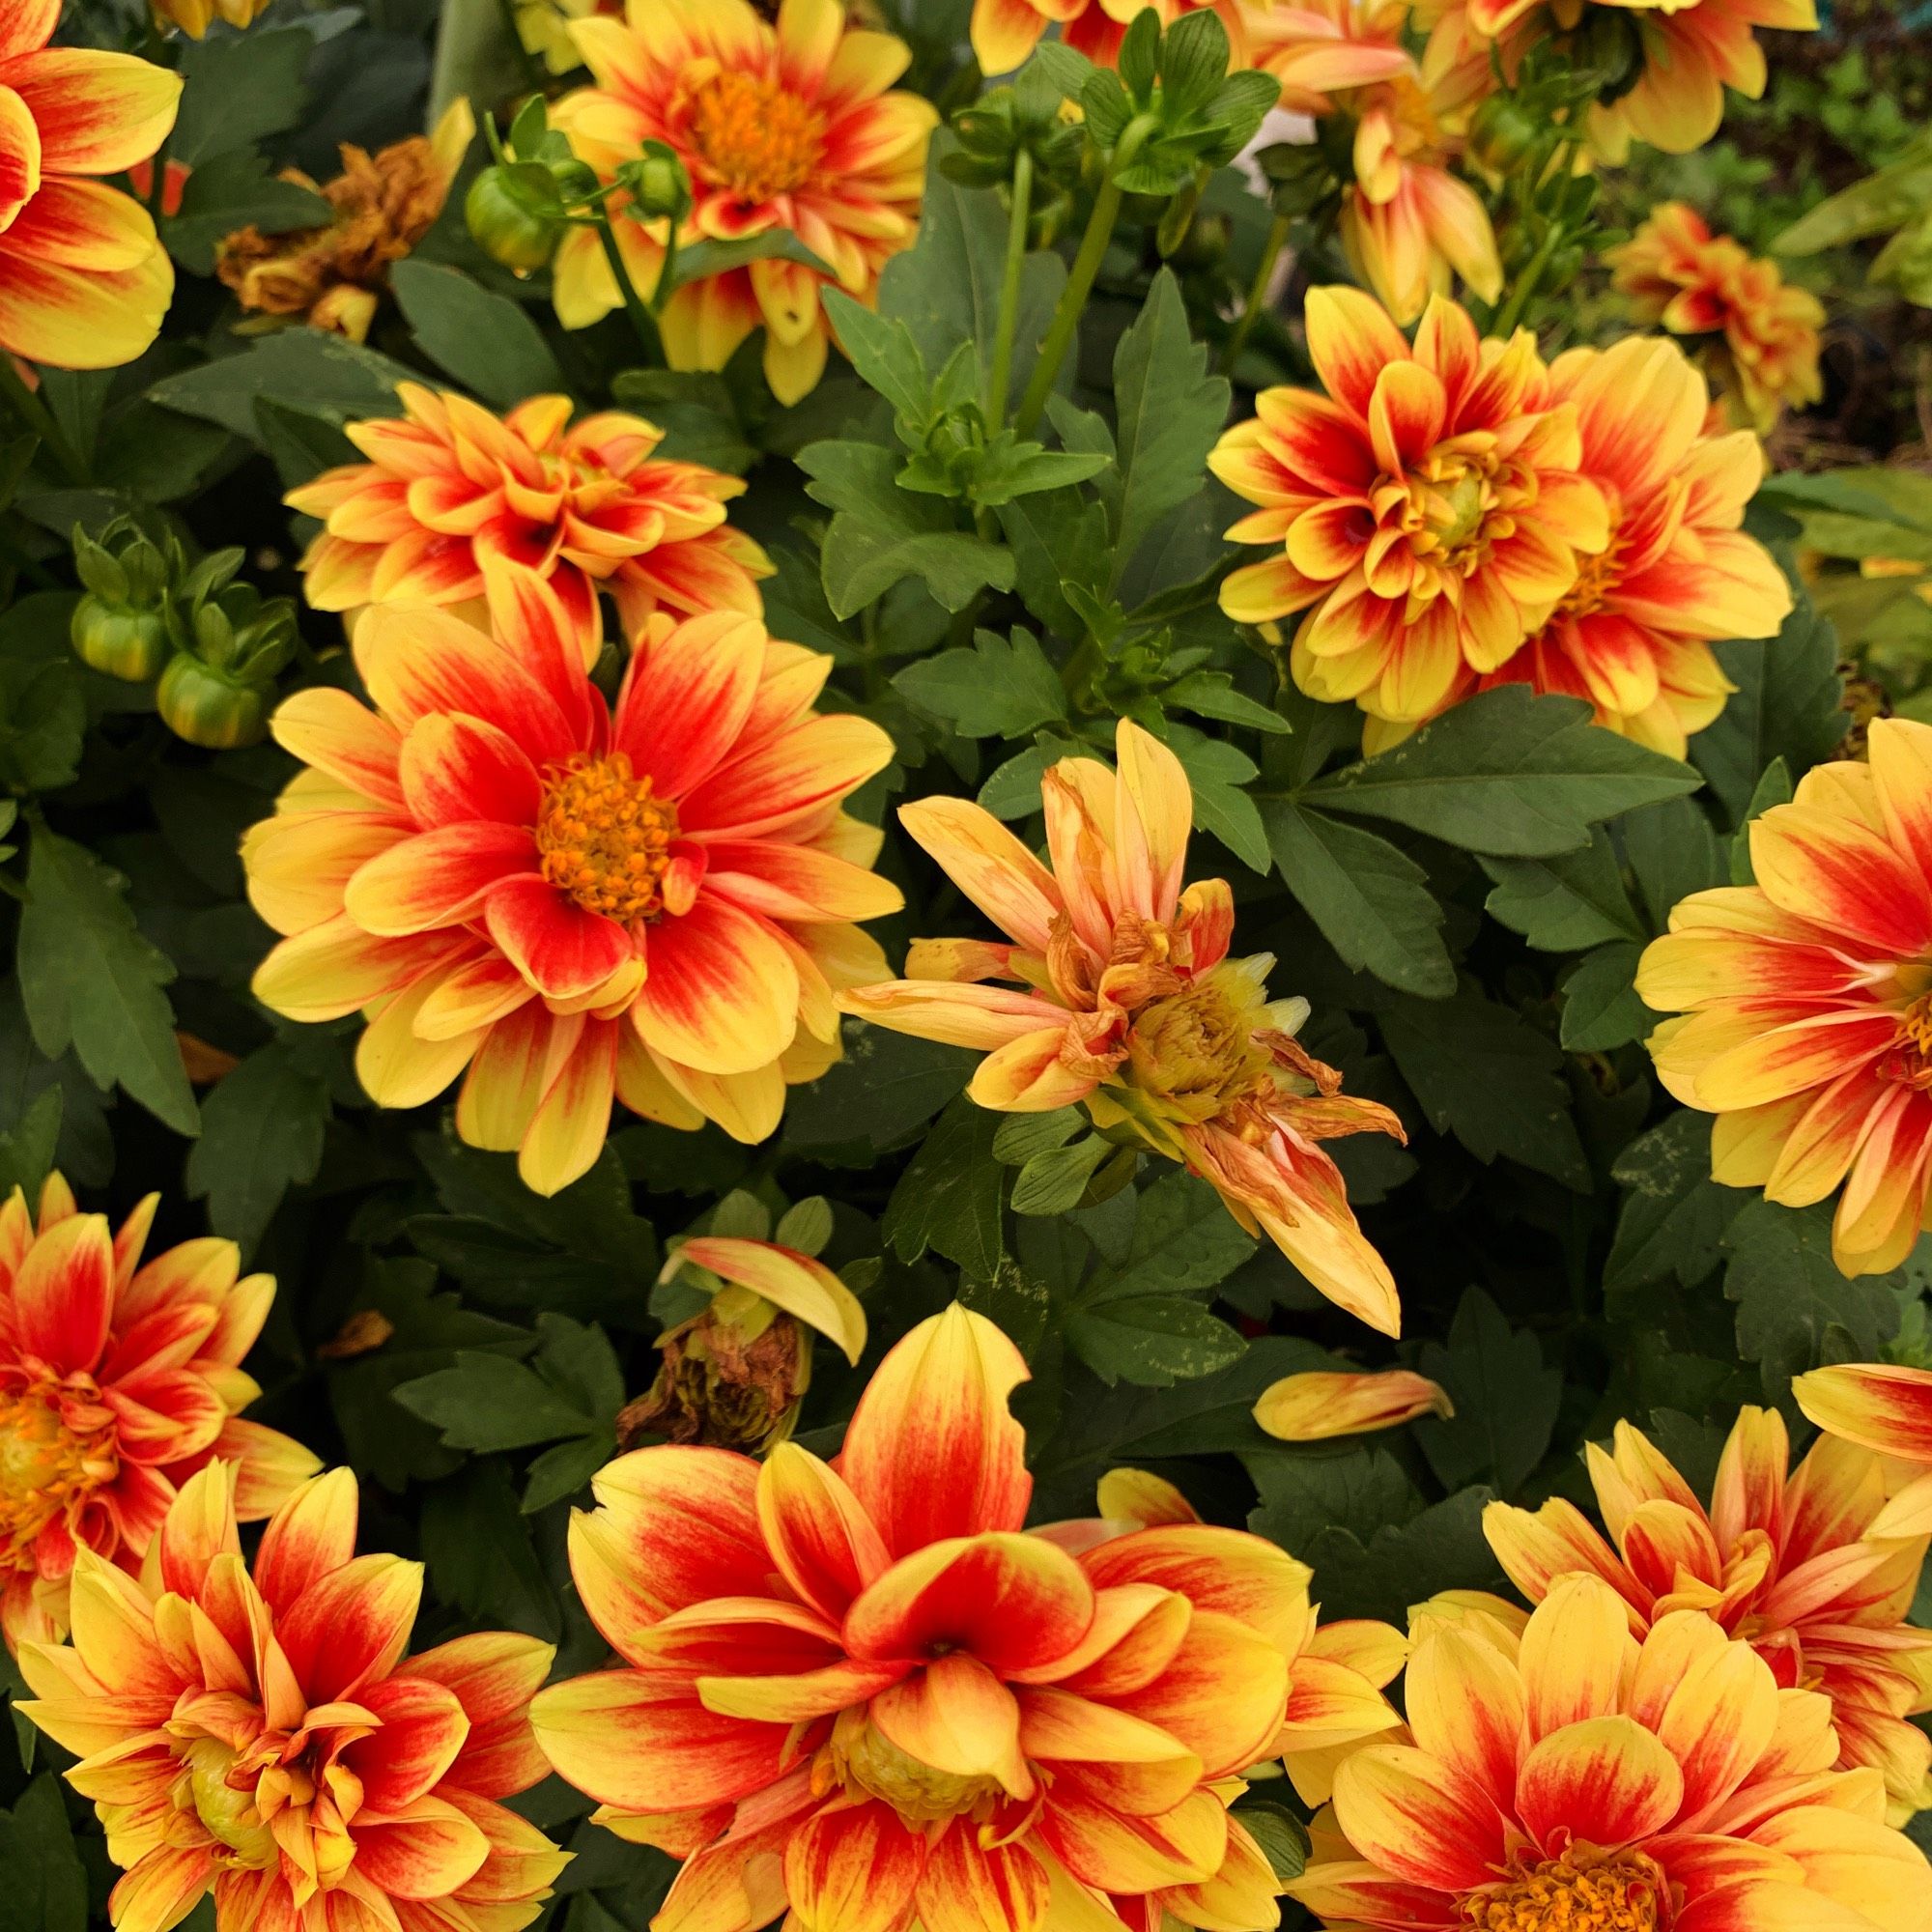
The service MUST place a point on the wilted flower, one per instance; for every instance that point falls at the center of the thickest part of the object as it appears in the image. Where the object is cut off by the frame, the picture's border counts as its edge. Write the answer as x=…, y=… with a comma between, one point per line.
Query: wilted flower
x=84, y=280
x=1428, y=512
x=733, y=1375
x=1632, y=633
x=262, y=1737
x=1320, y=1404
x=1132, y=1007
x=572, y=902
x=117, y=1383
x=1762, y=355
x=789, y=126
x=864, y=1694
x=384, y=204
x=1794, y=1561
x=588, y=507
x=1571, y=1775
x=1808, y=1014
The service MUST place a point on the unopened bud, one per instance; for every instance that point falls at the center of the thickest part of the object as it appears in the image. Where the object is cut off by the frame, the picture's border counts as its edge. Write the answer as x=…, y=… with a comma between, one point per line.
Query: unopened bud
x=505, y=228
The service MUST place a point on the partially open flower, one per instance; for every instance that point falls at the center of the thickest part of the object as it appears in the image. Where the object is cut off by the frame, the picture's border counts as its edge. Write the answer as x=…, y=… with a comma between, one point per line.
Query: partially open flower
x=117, y=1383
x=1132, y=1007
x=733, y=1375
x=1318, y=1405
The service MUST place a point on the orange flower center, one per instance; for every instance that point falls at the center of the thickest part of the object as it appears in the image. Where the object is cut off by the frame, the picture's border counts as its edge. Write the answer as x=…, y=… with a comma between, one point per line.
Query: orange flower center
x=48, y=1465
x=1582, y=1891
x=604, y=839
x=1910, y=1058
x=753, y=136
x=859, y=1757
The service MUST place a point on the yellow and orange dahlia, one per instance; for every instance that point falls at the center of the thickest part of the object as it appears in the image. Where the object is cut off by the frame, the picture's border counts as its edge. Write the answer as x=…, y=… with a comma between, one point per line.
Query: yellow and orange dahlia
x=791, y=127
x=1762, y=355
x=448, y=486
x=263, y=1738
x=1805, y=1002
x=1427, y=513
x=1562, y=1773
x=509, y=875
x=1127, y=1004
x=84, y=280
x=1005, y=32
x=1887, y=1408
x=117, y=1383
x=861, y=1692
x=1632, y=633
x=1797, y=1562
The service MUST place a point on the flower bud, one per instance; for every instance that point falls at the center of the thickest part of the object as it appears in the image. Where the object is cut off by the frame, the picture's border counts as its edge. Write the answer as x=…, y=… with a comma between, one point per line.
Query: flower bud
x=658, y=185
x=505, y=228
x=125, y=643
x=120, y=626
x=211, y=707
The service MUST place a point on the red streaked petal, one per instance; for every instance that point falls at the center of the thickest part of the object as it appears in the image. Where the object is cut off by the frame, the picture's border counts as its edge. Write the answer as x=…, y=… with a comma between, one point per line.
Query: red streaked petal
x=853, y=1869
x=972, y=1888
x=559, y=946
x=351, y=1626
x=687, y=699
x=423, y=1728
x=439, y=878
x=98, y=113
x=721, y=991
x=63, y=1296
x=1418, y=1820
x=330, y=729
x=1888, y=1409
x=425, y=1850
x=793, y=776
x=455, y=769
x=309, y=1537
x=819, y=1535
x=1350, y=341
x=1605, y=1782
x=957, y=1716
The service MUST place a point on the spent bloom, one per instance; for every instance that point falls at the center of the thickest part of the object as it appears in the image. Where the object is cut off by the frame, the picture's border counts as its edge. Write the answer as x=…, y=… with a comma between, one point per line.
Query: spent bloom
x=333, y=277
x=1425, y=514
x=1569, y=1774
x=861, y=1692
x=84, y=280
x=1632, y=633
x=1127, y=1004
x=562, y=899
x=793, y=127
x=262, y=1737
x=588, y=507
x=1320, y=1404
x=1761, y=334
x=1800, y=1563
x=1805, y=1002
x=118, y=1380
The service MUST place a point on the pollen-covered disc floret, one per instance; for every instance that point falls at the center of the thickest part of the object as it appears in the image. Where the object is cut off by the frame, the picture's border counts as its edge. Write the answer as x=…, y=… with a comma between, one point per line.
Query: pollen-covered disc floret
x=862, y=1694
x=604, y=838
x=1120, y=997
x=118, y=1380
x=261, y=1737
x=1582, y=1891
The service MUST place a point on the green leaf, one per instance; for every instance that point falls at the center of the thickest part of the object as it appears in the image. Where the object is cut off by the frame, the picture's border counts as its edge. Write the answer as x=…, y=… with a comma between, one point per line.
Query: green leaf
x=489, y=1402
x=301, y=445
x=1282, y=1836
x=699, y=261
x=995, y=689
x=887, y=1084
x=1219, y=774
x=1567, y=902
x=1053, y=1181
x=1482, y=1073
x=307, y=369
x=485, y=341
x=476, y=1541
x=883, y=534
x=1372, y=903
x=1506, y=1399
x=236, y=90
x=47, y=1882
x=883, y=353
x=27, y=1152
x=694, y=410
x=1151, y=1340
x=1882, y=201
x=1507, y=773
x=1773, y=787
x=949, y=1198
x=1674, y=852
x=1600, y=1008
x=1211, y=694
x=1183, y=1238
x=261, y=1134
x=91, y=982
x=566, y=1469
x=1674, y=1216
x=1058, y=537
x=1795, y=1309
x=1170, y=412
x=236, y=190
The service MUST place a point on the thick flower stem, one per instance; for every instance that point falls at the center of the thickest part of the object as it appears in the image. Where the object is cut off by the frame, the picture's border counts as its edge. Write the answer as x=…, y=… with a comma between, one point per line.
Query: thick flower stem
x=1073, y=304
x=1277, y=238
x=1511, y=312
x=35, y=414
x=999, y=378
x=642, y=321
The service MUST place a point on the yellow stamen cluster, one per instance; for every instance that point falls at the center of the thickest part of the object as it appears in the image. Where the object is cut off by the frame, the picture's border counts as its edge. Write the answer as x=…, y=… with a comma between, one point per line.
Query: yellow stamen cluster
x=54, y=1453
x=1576, y=1892
x=754, y=137
x=604, y=839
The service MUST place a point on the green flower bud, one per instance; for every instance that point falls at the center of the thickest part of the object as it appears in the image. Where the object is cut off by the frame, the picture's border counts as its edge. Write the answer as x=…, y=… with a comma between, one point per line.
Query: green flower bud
x=505, y=228
x=658, y=185
x=120, y=626
x=210, y=707
x=130, y=645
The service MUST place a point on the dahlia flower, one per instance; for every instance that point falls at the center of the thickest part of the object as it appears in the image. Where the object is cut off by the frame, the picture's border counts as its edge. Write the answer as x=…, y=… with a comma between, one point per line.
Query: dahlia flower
x=1784, y=1558
x=1127, y=1004
x=1318, y=1405
x=587, y=506
x=117, y=1383
x=263, y=1738
x=1577, y=1776
x=790, y=127
x=1632, y=633
x=1886, y=1409
x=194, y=17
x=509, y=875
x=1005, y=32
x=84, y=280
x=1427, y=512
x=1763, y=355
x=1806, y=1020
x=860, y=1692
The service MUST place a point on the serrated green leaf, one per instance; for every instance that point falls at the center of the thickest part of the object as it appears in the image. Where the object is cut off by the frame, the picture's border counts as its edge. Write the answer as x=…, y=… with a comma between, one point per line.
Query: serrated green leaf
x=1674, y=1215
x=1506, y=1399
x=994, y=689
x=485, y=341
x=488, y=1402
x=231, y=192
x=1150, y=1340
x=949, y=1198
x=1566, y=903
x=261, y=1129
x=1600, y=1008
x=236, y=90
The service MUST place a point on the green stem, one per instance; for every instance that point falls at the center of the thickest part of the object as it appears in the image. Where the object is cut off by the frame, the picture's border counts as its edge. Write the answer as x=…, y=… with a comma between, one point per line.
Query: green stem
x=667, y=273
x=641, y=318
x=1073, y=304
x=1511, y=313
x=999, y=381
x=1251, y=310
x=38, y=418
x=1077, y=672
